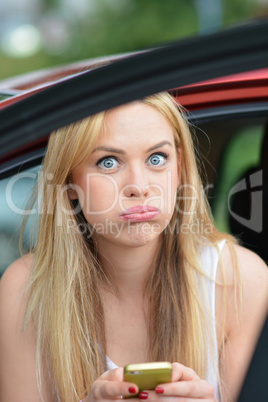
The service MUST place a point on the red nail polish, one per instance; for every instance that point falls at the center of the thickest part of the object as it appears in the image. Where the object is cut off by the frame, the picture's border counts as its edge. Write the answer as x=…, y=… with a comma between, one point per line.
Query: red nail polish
x=159, y=390
x=132, y=390
x=143, y=395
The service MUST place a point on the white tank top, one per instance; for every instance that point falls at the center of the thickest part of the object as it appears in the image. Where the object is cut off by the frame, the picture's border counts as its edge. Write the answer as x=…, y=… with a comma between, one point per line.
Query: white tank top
x=209, y=264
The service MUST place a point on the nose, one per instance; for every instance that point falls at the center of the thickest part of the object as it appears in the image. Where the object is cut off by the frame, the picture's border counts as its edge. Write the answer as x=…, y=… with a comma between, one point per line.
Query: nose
x=136, y=184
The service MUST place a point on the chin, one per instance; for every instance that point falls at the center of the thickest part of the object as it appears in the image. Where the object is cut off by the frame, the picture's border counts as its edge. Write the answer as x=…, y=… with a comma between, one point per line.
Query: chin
x=132, y=235
x=142, y=234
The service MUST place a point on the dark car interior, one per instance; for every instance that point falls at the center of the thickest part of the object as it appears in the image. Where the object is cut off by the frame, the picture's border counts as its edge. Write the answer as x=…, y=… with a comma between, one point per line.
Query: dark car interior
x=217, y=136
x=242, y=203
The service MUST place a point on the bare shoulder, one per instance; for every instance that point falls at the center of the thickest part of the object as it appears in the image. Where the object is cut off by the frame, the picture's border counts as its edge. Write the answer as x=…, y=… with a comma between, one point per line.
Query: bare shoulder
x=17, y=345
x=246, y=258
x=12, y=284
x=252, y=270
x=16, y=274
x=251, y=275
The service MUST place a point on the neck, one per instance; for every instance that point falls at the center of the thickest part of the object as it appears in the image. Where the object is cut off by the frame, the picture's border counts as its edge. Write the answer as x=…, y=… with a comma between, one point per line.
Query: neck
x=128, y=267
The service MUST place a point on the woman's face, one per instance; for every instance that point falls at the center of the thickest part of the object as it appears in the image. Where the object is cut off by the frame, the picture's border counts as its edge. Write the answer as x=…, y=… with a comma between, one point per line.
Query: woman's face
x=127, y=187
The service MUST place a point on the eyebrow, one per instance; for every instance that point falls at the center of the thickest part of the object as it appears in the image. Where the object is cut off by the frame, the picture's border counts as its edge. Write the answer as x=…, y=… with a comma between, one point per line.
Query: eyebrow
x=120, y=151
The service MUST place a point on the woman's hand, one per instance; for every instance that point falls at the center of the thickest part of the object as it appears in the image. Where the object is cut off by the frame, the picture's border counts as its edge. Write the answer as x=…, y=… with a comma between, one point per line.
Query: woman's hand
x=110, y=386
x=185, y=386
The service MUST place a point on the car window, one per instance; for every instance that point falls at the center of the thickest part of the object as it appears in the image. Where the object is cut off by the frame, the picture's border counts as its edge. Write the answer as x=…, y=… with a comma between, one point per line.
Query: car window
x=15, y=192
x=4, y=96
x=7, y=94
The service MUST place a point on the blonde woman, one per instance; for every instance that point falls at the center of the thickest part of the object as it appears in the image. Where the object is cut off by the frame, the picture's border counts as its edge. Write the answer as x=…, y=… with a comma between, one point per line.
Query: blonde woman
x=127, y=268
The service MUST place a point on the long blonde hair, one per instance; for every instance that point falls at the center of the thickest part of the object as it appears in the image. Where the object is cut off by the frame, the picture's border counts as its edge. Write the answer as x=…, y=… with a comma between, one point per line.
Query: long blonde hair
x=64, y=298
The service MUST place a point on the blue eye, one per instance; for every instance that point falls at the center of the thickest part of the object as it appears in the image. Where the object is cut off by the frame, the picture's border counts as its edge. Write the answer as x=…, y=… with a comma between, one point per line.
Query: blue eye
x=108, y=163
x=159, y=159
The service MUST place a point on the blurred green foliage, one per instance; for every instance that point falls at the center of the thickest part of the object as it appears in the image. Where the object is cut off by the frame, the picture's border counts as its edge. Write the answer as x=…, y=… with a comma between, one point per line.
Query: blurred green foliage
x=116, y=26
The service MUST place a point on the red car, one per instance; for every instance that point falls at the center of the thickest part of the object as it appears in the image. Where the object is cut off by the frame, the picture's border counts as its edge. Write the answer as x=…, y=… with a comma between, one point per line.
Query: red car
x=221, y=80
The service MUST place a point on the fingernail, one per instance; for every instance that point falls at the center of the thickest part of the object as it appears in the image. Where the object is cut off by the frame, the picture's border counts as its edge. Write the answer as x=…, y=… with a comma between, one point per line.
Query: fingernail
x=159, y=390
x=143, y=395
x=132, y=390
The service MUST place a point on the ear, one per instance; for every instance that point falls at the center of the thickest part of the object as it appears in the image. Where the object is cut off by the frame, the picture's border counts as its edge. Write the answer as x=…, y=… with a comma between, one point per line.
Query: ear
x=72, y=192
x=179, y=167
x=73, y=195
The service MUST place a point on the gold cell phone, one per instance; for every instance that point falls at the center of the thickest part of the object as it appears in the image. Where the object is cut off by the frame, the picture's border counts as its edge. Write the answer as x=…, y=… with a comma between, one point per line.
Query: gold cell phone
x=148, y=375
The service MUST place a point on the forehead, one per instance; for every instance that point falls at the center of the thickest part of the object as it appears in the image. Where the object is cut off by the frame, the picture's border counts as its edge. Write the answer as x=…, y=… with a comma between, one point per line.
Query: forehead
x=136, y=122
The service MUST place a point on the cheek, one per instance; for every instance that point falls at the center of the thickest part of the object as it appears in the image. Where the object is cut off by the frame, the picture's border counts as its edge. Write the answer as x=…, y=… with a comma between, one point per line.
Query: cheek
x=168, y=189
x=99, y=194
x=171, y=198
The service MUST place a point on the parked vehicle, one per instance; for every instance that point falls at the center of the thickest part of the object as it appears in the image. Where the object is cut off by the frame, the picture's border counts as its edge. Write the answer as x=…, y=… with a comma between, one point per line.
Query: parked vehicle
x=222, y=82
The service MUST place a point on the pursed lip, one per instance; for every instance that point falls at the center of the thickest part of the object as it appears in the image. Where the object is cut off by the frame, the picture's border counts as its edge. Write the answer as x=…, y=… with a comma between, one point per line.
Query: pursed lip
x=140, y=213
